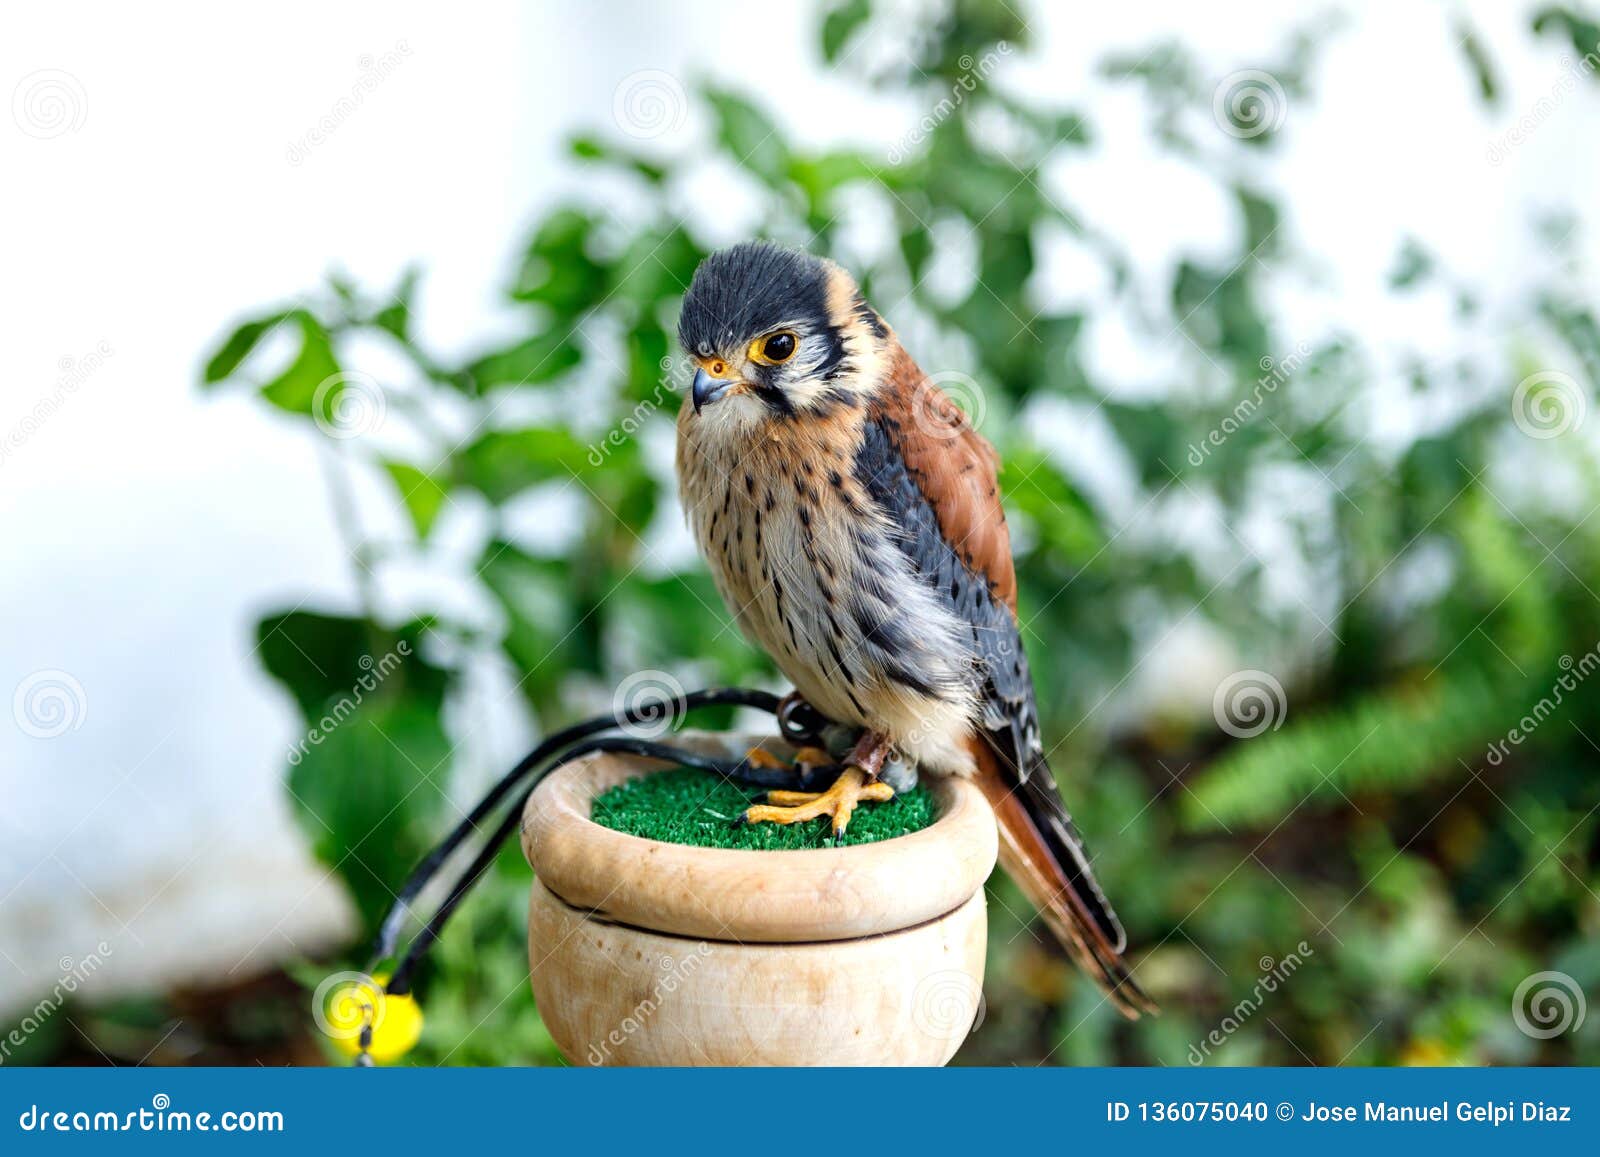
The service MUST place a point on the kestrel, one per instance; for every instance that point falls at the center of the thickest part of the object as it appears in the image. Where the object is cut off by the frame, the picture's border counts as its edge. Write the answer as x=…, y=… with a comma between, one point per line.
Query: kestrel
x=851, y=518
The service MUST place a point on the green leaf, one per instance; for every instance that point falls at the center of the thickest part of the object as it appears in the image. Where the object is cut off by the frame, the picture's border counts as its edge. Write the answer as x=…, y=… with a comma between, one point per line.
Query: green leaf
x=1478, y=61
x=505, y=462
x=295, y=389
x=557, y=270
x=1392, y=742
x=319, y=658
x=916, y=247
x=540, y=358
x=368, y=786
x=424, y=494
x=1580, y=29
x=1261, y=220
x=238, y=345
x=657, y=266
x=535, y=594
x=591, y=149
x=649, y=351
x=396, y=316
x=1153, y=437
x=749, y=135
x=367, y=775
x=820, y=178
x=841, y=23
x=1066, y=524
x=1413, y=265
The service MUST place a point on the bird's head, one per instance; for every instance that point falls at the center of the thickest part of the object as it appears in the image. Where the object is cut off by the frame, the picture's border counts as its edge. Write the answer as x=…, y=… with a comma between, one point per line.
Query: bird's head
x=776, y=333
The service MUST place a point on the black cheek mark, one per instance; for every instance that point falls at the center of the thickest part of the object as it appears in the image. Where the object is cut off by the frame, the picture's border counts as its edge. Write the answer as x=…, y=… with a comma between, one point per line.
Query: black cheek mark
x=776, y=400
x=833, y=358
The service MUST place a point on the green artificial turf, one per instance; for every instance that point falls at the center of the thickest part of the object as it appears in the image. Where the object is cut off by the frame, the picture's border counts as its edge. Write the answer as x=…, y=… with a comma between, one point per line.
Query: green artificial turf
x=686, y=806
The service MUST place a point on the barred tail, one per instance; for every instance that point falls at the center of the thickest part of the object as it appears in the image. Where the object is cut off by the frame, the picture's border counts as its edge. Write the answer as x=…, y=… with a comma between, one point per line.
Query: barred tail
x=1041, y=850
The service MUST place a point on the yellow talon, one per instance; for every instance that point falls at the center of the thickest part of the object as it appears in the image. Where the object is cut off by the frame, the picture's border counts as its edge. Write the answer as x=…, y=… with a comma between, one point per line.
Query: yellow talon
x=838, y=802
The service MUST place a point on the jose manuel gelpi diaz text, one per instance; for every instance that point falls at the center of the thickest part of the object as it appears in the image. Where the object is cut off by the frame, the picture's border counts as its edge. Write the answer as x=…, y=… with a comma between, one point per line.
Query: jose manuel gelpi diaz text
x=1492, y=1113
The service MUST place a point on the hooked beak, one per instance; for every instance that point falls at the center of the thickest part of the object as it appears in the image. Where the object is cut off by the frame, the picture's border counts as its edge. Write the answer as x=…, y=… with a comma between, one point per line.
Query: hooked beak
x=708, y=389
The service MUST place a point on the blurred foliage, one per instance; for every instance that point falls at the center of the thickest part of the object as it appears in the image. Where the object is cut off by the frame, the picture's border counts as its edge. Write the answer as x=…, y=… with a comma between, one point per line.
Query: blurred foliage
x=1417, y=585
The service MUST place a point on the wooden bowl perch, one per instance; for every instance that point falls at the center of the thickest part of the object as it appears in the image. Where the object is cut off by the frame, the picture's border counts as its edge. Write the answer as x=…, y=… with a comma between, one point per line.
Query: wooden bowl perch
x=649, y=953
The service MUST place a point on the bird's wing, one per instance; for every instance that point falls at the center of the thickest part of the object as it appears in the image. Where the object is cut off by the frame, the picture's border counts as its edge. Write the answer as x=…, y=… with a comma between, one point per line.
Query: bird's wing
x=935, y=476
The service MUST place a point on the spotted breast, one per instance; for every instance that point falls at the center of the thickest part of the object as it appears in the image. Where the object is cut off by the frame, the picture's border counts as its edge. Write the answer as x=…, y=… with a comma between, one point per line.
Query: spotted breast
x=807, y=561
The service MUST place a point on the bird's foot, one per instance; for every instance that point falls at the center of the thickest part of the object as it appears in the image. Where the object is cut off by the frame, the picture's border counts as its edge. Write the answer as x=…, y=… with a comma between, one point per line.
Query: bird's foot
x=838, y=803
x=857, y=782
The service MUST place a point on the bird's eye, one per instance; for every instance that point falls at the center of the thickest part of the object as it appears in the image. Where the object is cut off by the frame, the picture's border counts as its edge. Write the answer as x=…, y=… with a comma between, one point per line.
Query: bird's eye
x=775, y=348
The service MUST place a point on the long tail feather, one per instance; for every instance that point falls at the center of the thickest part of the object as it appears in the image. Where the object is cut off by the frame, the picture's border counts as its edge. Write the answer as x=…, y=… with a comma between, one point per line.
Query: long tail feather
x=1039, y=848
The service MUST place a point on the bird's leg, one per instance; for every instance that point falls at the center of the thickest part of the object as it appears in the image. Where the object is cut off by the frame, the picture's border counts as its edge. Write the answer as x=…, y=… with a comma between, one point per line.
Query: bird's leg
x=859, y=781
